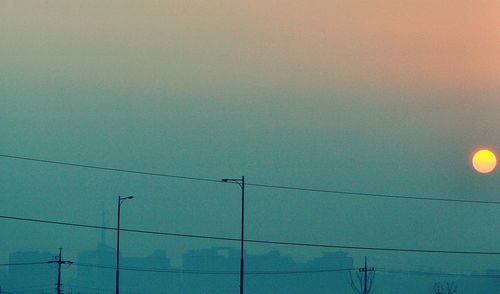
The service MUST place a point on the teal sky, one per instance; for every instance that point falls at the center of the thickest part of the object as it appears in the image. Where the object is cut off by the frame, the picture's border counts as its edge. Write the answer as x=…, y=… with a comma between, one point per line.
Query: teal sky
x=389, y=97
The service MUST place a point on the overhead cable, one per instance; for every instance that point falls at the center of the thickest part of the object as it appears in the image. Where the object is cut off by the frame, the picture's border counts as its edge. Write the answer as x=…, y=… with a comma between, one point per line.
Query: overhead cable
x=341, y=193
x=256, y=241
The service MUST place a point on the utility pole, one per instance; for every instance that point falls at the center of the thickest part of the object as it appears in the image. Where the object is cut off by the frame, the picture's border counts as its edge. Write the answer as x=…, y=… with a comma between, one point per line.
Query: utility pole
x=59, y=262
x=365, y=270
x=366, y=277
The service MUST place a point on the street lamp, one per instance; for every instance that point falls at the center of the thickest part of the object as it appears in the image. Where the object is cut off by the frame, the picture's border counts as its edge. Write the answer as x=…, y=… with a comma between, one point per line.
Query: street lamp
x=241, y=183
x=120, y=201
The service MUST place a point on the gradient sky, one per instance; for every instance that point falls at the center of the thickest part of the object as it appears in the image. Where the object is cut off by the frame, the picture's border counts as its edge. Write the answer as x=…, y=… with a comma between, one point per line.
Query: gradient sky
x=381, y=97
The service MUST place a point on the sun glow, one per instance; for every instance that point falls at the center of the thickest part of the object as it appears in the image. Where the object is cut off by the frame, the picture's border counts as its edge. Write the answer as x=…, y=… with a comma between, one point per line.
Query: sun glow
x=484, y=161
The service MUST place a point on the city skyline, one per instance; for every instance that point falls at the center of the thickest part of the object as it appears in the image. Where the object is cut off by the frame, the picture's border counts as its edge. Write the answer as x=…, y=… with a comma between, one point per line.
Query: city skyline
x=215, y=269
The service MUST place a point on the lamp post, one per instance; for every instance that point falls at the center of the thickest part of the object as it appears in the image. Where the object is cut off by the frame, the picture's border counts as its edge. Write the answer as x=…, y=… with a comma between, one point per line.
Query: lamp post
x=120, y=201
x=241, y=183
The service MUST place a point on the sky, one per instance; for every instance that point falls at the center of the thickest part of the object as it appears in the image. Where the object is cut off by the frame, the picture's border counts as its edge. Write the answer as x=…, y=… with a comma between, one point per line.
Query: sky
x=380, y=97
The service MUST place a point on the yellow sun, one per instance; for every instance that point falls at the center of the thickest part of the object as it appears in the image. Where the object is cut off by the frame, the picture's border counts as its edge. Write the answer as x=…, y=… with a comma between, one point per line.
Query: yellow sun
x=484, y=161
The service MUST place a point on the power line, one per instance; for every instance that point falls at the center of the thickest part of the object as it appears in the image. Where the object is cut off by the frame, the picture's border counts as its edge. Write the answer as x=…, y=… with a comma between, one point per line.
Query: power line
x=184, y=271
x=255, y=241
x=89, y=288
x=158, y=270
x=104, y=168
x=123, y=230
x=213, y=272
x=23, y=263
x=281, y=187
x=302, y=271
x=99, y=290
x=29, y=288
x=377, y=195
x=441, y=274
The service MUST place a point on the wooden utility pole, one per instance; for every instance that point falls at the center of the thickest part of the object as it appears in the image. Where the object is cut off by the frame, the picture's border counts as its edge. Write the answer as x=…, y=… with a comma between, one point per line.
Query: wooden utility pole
x=365, y=270
x=59, y=262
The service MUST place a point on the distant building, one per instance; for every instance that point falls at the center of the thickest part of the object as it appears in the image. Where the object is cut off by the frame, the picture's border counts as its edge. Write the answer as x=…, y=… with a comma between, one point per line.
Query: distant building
x=216, y=270
x=275, y=273
x=149, y=274
x=96, y=271
x=209, y=271
x=493, y=282
x=95, y=268
x=3, y=278
x=201, y=271
x=26, y=278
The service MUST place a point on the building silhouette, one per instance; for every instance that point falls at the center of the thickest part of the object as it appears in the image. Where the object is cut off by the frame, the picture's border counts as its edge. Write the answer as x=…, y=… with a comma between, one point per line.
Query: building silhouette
x=28, y=278
x=215, y=270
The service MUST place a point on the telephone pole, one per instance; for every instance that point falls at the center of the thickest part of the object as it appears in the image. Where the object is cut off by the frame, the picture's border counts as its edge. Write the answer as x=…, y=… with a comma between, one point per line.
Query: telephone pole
x=59, y=262
x=365, y=270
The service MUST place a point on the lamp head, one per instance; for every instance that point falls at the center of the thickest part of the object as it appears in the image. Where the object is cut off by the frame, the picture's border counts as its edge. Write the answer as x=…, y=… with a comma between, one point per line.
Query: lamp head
x=225, y=180
x=126, y=198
